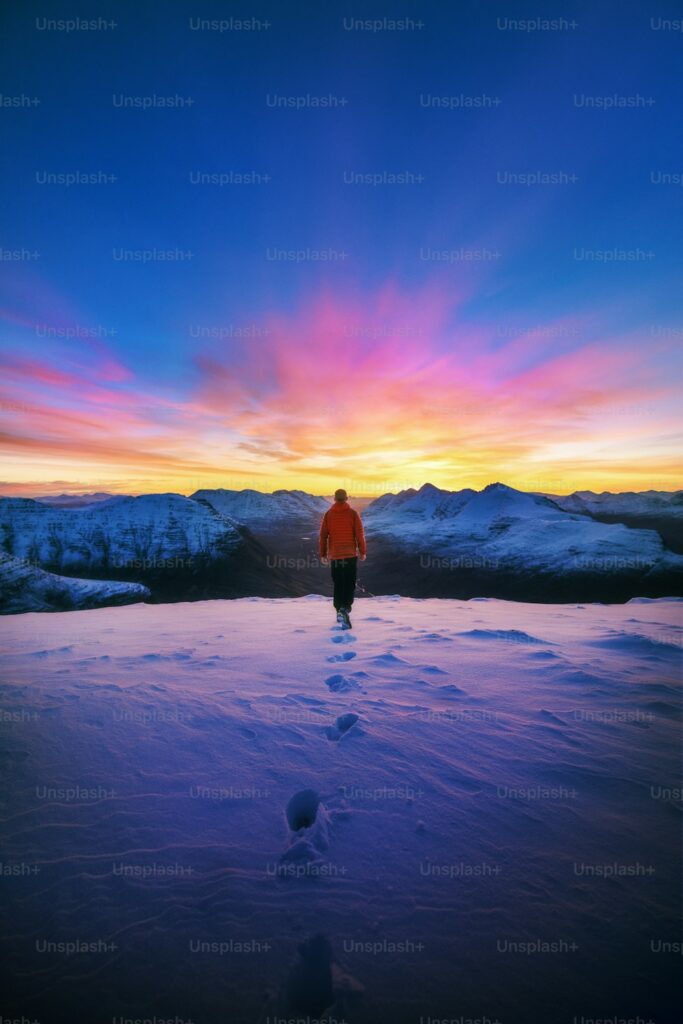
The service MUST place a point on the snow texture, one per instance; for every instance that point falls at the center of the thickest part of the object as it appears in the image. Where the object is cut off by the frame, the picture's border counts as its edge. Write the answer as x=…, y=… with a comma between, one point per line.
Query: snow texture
x=261, y=834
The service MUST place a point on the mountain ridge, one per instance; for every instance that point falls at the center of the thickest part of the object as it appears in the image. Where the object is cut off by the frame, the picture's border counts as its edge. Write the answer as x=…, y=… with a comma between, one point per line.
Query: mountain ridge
x=28, y=588
x=429, y=541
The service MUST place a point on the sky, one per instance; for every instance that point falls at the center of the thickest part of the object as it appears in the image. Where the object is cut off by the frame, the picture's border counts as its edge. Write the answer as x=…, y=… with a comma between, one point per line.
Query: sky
x=311, y=245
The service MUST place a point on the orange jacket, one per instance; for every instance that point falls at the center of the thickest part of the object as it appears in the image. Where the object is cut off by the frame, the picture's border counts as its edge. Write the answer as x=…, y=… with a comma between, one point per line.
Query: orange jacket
x=341, y=532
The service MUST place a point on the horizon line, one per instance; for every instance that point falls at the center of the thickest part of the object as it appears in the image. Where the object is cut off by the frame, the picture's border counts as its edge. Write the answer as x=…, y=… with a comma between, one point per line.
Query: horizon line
x=328, y=497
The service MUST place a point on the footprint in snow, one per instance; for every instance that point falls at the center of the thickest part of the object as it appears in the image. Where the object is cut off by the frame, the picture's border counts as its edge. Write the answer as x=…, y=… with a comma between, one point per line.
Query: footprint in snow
x=341, y=684
x=343, y=638
x=309, y=989
x=341, y=727
x=308, y=823
x=346, y=656
x=316, y=987
x=302, y=809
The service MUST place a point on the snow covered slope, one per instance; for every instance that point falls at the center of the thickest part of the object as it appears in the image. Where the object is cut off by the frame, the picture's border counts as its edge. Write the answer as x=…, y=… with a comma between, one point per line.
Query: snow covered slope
x=458, y=810
x=26, y=588
x=154, y=530
x=255, y=509
x=508, y=530
x=645, y=504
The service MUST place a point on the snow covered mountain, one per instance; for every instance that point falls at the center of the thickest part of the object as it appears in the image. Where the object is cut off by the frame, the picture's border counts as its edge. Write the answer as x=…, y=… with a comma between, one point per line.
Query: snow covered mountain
x=423, y=543
x=181, y=548
x=501, y=530
x=254, y=509
x=151, y=531
x=26, y=588
x=631, y=503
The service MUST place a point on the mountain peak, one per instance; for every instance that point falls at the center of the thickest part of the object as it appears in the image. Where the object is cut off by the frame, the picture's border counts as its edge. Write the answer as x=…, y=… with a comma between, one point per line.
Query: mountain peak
x=499, y=488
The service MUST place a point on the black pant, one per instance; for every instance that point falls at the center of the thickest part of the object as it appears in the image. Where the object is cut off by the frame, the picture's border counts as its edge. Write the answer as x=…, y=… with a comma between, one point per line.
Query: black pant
x=344, y=571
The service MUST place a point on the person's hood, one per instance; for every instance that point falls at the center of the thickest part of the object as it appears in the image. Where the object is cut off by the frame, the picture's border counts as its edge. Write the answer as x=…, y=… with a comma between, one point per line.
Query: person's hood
x=339, y=505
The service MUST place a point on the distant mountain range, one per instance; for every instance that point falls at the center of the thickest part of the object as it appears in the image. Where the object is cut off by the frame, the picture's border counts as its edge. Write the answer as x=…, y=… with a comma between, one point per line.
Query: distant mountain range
x=75, y=500
x=655, y=510
x=251, y=506
x=498, y=542
x=644, y=504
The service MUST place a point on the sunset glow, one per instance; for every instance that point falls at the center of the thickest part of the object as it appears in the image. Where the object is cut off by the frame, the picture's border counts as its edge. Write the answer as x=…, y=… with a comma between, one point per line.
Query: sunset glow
x=443, y=273
x=378, y=391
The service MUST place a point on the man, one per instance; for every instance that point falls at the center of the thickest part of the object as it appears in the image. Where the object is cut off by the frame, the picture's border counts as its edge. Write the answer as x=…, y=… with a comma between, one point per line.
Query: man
x=342, y=540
